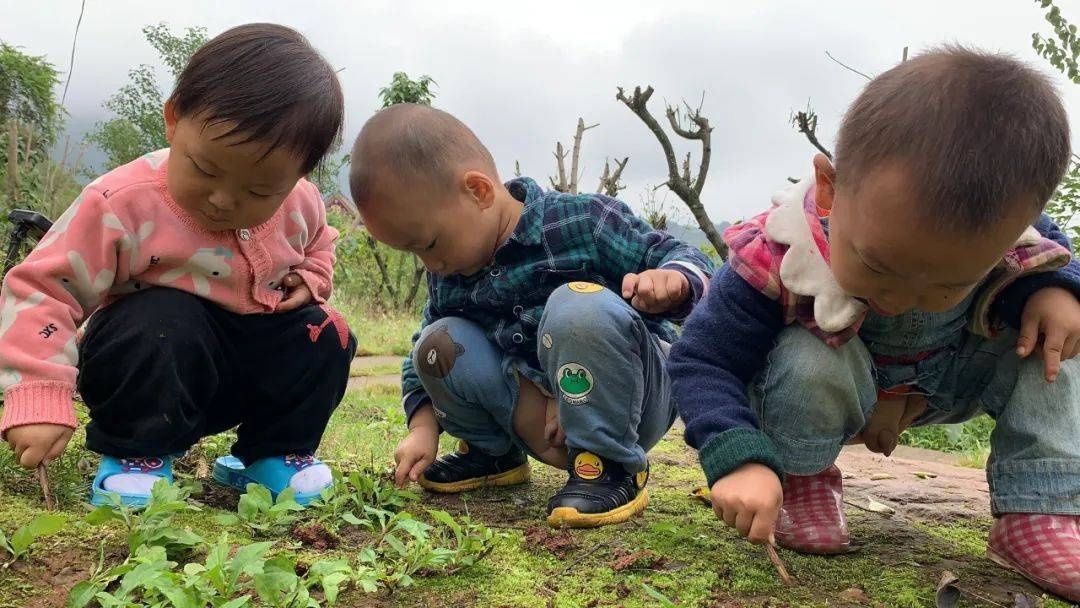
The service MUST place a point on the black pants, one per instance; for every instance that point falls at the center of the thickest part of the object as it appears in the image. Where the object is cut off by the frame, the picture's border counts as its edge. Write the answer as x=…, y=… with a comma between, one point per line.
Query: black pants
x=160, y=369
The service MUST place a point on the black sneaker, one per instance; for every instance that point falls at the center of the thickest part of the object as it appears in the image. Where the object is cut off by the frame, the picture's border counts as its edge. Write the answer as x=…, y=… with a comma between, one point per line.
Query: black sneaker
x=599, y=492
x=468, y=469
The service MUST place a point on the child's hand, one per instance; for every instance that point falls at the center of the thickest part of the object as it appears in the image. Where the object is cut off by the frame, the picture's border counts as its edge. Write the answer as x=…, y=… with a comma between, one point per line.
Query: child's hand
x=1055, y=313
x=656, y=291
x=890, y=418
x=297, y=293
x=749, y=499
x=419, y=448
x=35, y=443
x=552, y=430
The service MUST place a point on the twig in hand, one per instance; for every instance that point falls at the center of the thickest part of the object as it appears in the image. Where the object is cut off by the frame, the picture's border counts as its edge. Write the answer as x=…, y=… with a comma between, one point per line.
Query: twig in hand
x=43, y=479
x=775, y=559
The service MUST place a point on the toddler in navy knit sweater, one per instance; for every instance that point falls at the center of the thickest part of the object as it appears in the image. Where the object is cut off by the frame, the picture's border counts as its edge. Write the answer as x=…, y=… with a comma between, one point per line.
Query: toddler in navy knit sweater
x=911, y=283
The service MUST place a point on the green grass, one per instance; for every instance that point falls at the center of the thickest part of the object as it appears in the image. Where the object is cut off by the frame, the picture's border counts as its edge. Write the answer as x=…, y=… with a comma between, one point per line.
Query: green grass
x=367, y=371
x=686, y=554
x=970, y=440
x=377, y=333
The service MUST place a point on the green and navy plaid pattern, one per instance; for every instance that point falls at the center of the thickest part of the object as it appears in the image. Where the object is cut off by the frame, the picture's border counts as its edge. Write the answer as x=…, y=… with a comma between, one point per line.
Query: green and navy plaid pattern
x=560, y=238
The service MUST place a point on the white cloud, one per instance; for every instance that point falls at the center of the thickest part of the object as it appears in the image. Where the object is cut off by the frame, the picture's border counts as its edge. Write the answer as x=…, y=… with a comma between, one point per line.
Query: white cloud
x=521, y=73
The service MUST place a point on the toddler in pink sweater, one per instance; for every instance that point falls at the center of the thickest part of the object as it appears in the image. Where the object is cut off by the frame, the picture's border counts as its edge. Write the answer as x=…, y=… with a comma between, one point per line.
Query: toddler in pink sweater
x=207, y=267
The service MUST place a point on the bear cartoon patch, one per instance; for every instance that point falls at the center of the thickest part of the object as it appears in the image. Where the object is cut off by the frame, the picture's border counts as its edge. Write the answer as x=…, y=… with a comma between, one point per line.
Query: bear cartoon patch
x=438, y=352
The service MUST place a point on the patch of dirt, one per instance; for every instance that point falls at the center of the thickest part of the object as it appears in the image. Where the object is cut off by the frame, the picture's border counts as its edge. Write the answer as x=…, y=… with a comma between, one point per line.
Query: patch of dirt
x=59, y=572
x=951, y=493
x=558, y=542
x=316, y=536
x=354, y=536
x=854, y=596
x=496, y=507
x=357, y=382
x=217, y=496
x=637, y=560
x=724, y=600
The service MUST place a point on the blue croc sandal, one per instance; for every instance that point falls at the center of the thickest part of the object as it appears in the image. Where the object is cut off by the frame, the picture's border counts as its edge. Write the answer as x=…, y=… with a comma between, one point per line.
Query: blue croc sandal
x=274, y=473
x=110, y=465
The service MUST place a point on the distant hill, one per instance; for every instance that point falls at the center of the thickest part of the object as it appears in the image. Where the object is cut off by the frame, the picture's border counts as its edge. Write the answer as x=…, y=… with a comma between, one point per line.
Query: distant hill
x=692, y=235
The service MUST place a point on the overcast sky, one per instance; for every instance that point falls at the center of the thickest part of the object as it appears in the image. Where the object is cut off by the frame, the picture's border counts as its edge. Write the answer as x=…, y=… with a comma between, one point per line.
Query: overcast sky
x=521, y=73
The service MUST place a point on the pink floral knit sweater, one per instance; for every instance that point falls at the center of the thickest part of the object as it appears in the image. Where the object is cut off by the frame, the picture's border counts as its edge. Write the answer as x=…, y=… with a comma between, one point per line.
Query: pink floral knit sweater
x=125, y=233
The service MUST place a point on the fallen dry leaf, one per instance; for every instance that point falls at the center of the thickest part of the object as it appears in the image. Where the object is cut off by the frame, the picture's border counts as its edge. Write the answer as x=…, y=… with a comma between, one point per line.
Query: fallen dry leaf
x=881, y=477
x=702, y=494
x=854, y=595
x=947, y=594
x=877, y=507
x=925, y=475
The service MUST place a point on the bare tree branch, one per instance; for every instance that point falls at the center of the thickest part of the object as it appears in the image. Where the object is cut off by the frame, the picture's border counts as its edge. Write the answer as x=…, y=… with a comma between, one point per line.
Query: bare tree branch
x=576, y=154
x=13, y=158
x=560, y=165
x=702, y=133
x=380, y=261
x=806, y=122
x=610, y=181
x=637, y=104
x=847, y=67
x=71, y=62
x=414, y=288
x=680, y=182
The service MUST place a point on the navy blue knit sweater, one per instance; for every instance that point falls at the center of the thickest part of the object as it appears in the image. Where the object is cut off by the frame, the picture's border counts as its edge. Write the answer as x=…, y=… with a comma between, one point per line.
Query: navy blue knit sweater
x=725, y=343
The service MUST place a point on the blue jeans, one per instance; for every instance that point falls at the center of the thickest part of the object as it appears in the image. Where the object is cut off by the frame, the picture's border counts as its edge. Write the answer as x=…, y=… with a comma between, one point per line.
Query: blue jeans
x=596, y=357
x=812, y=398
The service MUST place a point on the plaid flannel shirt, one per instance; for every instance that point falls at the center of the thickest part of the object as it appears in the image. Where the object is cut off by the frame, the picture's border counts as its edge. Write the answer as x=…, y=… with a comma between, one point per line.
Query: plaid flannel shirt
x=560, y=238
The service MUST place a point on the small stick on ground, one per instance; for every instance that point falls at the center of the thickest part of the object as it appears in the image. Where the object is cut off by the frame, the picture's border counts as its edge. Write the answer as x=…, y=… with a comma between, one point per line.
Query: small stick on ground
x=46, y=491
x=775, y=559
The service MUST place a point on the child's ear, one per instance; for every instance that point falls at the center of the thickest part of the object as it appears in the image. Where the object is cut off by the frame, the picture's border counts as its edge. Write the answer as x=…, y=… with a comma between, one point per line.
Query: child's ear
x=480, y=187
x=824, y=182
x=170, y=120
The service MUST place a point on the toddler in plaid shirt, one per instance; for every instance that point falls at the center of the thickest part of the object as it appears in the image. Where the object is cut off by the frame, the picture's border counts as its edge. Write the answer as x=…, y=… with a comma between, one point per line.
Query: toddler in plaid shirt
x=548, y=323
x=909, y=284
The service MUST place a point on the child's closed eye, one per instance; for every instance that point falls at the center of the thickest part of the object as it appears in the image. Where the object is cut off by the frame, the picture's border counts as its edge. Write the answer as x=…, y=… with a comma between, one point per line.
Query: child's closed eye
x=200, y=169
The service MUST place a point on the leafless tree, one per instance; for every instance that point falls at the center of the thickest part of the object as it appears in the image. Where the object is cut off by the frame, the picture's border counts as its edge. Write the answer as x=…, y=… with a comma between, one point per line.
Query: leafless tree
x=686, y=186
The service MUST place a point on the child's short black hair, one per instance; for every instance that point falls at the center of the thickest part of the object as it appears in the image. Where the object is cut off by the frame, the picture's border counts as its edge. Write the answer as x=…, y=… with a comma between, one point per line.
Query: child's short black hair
x=268, y=81
x=979, y=132
x=414, y=144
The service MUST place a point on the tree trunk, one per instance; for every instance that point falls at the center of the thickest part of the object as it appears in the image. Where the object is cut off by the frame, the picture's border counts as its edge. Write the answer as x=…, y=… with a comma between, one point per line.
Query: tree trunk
x=418, y=275
x=381, y=263
x=13, y=160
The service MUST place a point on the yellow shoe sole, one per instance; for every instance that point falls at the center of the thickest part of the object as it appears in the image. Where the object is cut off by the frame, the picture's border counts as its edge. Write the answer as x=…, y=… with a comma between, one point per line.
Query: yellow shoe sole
x=569, y=517
x=513, y=477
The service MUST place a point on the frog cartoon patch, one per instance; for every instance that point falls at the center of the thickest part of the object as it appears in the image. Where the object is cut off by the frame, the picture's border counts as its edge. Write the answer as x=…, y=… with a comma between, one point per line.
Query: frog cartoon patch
x=575, y=383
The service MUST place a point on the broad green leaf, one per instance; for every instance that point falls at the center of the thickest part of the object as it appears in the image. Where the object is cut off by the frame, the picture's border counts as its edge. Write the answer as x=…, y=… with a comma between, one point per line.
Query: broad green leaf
x=42, y=525
x=414, y=527
x=103, y=514
x=248, y=560
x=226, y=519
x=444, y=518
x=395, y=544
x=82, y=594
x=350, y=517
x=274, y=585
x=238, y=602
